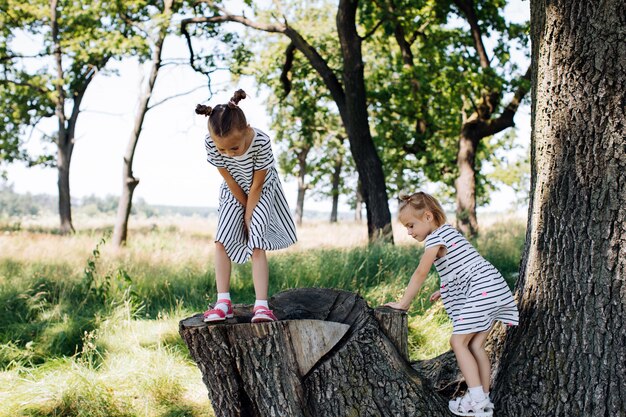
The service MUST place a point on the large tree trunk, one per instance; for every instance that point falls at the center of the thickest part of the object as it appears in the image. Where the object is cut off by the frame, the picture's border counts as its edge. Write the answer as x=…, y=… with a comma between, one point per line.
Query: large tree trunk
x=567, y=356
x=129, y=182
x=329, y=355
x=356, y=121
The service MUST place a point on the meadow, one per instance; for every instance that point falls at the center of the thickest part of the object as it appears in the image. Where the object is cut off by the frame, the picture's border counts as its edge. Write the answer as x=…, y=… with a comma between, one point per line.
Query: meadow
x=90, y=330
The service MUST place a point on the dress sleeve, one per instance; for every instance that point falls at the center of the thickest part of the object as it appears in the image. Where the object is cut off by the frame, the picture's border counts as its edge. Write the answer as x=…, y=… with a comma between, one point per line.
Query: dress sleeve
x=213, y=156
x=434, y=239
x=263, y=158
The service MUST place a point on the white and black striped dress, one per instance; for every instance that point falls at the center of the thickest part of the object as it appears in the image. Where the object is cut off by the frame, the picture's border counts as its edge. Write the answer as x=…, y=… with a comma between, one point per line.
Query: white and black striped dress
x=271, y=226
x=473, y=291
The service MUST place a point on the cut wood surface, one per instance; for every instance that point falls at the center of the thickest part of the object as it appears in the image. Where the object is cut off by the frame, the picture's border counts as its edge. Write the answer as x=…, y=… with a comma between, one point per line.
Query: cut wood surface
x=329, y=355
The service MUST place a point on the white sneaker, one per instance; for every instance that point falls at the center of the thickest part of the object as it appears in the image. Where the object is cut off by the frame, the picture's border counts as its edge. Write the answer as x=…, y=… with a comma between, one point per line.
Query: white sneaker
x=490, y=405
x=465, y=406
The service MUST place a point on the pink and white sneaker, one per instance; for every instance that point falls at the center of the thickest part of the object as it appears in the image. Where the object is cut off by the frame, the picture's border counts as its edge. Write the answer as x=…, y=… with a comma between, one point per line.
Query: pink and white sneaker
x=217, y=314
x=262, y=314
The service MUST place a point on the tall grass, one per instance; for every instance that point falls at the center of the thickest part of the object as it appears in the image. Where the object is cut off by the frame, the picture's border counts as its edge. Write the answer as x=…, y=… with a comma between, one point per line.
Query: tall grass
x=88, y=330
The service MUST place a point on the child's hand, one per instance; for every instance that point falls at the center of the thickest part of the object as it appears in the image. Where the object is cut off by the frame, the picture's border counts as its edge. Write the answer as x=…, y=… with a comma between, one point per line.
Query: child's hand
x=397, y=306
x=435, y=296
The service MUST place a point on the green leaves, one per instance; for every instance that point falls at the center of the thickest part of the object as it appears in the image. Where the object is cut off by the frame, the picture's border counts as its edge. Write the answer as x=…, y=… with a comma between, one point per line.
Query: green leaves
x=89, y=35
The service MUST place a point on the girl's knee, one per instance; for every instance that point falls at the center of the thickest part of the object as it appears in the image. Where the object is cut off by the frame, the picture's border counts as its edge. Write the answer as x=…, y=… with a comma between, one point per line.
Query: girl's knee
x=256, y=252
x=458, y=342
x=477, y=345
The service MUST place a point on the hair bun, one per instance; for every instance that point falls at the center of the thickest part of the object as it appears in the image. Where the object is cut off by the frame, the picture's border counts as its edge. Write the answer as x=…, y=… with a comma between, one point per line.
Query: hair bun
x=237, y=97
x=204, y=110
x=404, y=196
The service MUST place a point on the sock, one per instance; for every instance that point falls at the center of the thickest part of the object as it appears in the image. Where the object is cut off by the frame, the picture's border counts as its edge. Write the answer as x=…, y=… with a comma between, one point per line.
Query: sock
x=263, y=303
x=486, y=394
x=477, y=393
x=223, y=296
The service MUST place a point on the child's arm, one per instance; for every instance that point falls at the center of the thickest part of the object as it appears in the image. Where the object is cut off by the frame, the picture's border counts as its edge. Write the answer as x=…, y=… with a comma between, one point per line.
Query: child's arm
x=255, y=194
x=417, y=279
x=235, y=188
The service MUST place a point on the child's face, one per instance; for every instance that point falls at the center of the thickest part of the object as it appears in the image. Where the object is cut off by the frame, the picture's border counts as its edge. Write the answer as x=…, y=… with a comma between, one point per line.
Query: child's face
x=418, y=223
x=235, y=143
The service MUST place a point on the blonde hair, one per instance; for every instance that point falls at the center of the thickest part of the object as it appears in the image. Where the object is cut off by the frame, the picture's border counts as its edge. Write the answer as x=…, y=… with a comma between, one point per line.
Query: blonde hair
x=422, y=201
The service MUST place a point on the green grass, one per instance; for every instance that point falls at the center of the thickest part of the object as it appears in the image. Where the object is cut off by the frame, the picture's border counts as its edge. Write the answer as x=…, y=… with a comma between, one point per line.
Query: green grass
x=96, y=335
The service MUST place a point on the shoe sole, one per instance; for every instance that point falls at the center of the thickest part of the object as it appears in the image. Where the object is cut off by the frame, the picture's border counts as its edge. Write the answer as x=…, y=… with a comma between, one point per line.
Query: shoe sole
x=228, y=316
x=486, y=413
x=261, y=320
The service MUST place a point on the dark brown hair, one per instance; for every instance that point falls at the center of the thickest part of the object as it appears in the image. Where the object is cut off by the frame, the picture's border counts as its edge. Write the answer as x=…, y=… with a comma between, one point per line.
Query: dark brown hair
x=422, y=201
x=225, y=117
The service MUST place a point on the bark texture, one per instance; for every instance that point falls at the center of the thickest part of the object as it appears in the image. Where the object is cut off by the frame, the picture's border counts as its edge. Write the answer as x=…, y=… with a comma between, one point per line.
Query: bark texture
x=568, y=355
x=254, y=369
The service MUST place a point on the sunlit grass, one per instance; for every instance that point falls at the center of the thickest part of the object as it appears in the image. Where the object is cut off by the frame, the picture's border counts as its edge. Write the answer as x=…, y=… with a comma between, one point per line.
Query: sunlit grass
x=93, y=335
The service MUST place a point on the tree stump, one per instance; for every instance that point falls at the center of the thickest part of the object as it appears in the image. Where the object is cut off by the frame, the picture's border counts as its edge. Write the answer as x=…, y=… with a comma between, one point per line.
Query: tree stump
x=329, y=355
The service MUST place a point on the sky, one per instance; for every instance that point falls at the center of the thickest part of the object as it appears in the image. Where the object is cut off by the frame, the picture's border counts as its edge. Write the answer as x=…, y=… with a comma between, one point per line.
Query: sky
x=170, y=160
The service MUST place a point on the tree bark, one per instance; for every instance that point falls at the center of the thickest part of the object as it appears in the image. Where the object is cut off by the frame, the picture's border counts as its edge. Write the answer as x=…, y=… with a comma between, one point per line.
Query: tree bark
x=357, y=370
x=358, y=205
x=129, y=182
x=64, y=156
x=302, y=185
x=335, y=187
x=465, y=186
x=65, y=144
x=567, y=356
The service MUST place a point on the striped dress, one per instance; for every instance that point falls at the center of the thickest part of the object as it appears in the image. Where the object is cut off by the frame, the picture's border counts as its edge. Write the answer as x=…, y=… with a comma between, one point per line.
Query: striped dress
x=271, y=226
x=473, y=292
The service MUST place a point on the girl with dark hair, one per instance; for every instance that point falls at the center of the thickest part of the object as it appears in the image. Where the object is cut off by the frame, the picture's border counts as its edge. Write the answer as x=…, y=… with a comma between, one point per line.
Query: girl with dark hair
x=253, y=215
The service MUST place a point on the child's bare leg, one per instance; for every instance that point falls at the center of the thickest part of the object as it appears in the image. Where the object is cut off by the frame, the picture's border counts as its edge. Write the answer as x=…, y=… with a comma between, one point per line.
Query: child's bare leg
x=222, y=268
x=465, y=359
x=260, y=274
x=477, y=347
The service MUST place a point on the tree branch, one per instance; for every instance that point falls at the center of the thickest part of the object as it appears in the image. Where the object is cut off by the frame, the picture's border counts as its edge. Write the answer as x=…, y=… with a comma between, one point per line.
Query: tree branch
x=316, y=60
x=10, y=57
x=25, y=84
x=176, y=96
x=505, y=120
x=372, y=31
x=284, y=75
x=467, y=8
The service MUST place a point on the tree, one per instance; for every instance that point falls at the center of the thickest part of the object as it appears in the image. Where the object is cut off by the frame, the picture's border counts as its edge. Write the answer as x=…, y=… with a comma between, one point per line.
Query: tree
x=567, y=355
x=161, y=22
x=480, y=123
x=347, y=88
x=440, y=89
x=74, y=44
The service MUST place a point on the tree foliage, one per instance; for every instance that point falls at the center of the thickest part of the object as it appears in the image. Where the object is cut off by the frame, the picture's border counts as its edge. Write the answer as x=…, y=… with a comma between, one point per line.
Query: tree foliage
x=89, y=35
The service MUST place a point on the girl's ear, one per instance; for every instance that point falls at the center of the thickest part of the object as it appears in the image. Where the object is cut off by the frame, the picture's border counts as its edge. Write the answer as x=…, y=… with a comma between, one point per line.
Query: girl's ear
x=428, y=216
